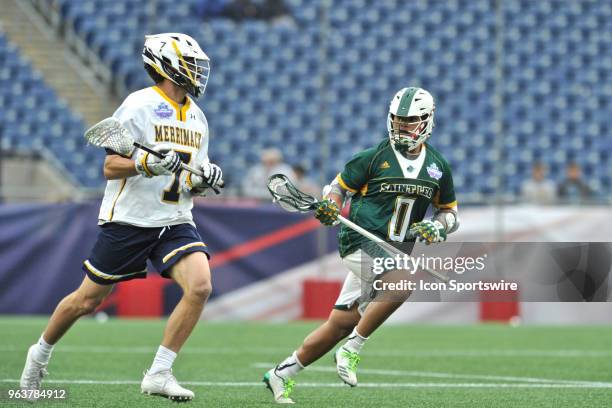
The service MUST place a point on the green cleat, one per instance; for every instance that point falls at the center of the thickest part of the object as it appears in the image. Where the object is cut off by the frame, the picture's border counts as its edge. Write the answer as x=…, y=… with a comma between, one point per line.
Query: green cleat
x=346, y=365
x=281, y=388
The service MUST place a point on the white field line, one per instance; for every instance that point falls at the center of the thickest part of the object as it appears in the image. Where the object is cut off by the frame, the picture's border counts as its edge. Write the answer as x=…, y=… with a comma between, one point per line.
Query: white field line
x=495, y=353
x=324, y=385
x=512, y=353
x=428, y=374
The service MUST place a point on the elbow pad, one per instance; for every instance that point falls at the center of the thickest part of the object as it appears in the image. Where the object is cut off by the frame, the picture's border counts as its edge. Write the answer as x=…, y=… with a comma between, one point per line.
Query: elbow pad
x=449, y=219
x=334, y=187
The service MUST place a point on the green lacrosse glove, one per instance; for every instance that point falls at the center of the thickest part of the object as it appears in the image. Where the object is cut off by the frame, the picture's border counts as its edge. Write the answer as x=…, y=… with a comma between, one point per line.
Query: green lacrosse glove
x=327, y=212
x=428, y=231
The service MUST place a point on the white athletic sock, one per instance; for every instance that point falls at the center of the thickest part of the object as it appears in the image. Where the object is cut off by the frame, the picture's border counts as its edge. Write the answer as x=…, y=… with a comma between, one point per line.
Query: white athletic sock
x=42, y=352
x=163, y=360
x=289, y=367
x=355, y=342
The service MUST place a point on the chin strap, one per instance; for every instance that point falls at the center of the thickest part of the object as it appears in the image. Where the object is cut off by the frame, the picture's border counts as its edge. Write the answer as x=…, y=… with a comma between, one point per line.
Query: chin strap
x=404, y=150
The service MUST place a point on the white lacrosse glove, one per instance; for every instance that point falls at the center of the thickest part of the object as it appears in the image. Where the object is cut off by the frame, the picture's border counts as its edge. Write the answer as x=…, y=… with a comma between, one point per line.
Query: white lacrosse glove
x=196, y=185
x=148, y=165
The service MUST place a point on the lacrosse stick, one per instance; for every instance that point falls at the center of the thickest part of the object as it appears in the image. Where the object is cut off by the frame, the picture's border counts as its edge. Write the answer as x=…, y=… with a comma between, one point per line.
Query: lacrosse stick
x=293, y=200
x=111, y=134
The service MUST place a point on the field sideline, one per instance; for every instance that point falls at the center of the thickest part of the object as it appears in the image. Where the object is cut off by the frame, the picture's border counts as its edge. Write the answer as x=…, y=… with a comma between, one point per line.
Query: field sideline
x=100, y=364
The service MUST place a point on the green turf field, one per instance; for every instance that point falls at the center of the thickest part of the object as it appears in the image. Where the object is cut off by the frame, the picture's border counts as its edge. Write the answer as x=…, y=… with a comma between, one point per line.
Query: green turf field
x=100, y=364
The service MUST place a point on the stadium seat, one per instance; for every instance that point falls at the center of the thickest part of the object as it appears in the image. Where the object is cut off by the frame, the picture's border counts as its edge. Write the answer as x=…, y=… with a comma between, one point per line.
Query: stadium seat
x=22, y=88
x=275, y=74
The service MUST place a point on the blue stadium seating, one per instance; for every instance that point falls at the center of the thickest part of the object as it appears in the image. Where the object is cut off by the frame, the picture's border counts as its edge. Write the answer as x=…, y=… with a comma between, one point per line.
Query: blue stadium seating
x=33, y=119
x=266, y=81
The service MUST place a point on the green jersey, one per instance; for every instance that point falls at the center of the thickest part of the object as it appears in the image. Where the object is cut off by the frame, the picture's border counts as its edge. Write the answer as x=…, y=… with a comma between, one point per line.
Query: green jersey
x=391, y=192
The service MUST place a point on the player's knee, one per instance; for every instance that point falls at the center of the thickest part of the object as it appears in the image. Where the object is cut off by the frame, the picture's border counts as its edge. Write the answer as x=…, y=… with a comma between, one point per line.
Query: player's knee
x=84, y=305
x=343, y=321
x=199, y=290
x=340, y=329
x=89, y=306
x=343, y=331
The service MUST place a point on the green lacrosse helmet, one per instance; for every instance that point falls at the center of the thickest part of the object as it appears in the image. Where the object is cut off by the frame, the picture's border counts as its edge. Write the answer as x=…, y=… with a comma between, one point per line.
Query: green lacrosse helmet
x=412, y=107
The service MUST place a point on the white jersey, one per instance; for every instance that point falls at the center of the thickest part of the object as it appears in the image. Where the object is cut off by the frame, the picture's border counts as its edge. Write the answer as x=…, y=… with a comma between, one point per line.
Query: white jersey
x=154, y=119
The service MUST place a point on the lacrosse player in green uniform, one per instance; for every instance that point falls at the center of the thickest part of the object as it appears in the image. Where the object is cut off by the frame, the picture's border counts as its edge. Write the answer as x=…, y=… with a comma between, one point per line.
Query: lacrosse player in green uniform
x=391, y=187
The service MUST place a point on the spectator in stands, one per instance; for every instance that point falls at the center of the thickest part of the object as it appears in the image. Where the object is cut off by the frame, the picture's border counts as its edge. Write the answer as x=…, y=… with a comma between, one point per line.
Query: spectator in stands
x=254, y=184
x=304, y=183
x=212, y=8
x=274, y=11
x=573, y=189
x=538, y=190
x=241, y=10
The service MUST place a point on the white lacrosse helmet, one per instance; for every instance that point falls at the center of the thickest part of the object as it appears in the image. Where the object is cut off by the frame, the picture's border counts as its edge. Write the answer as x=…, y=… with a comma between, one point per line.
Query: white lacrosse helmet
x=410, y=107
x=178, y=58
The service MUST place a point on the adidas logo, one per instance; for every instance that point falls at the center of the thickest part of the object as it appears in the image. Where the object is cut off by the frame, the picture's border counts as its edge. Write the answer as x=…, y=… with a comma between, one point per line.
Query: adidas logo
x=385, y=165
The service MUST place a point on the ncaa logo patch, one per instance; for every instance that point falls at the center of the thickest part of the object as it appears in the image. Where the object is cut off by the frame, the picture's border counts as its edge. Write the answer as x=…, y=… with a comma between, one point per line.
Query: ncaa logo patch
x=163, y=111
x=434, y=171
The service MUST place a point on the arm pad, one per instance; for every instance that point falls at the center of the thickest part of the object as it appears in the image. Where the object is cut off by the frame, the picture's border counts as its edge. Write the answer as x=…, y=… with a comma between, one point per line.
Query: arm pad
x=448, y=218
x=336, y=188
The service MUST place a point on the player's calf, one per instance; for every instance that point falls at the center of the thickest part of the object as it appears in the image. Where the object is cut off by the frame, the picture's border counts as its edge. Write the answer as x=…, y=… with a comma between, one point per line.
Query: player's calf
x=77, y=304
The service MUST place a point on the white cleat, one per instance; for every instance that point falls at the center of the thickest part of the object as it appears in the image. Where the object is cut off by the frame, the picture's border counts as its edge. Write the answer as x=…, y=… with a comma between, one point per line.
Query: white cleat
x=32, y=375
x=165, y=385
x=346, y=365
x=280, y=388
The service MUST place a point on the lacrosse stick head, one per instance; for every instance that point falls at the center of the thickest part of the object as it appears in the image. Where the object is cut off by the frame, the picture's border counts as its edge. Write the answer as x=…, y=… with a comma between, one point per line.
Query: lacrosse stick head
x=288, y=196
x=110, y=134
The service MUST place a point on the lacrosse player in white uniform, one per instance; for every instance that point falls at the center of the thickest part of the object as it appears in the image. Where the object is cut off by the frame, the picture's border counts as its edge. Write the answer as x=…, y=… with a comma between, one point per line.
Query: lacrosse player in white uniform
x=146, y=210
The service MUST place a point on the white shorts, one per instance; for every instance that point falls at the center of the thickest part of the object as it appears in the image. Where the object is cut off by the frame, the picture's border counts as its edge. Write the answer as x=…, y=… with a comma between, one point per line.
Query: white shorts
x=357, y=288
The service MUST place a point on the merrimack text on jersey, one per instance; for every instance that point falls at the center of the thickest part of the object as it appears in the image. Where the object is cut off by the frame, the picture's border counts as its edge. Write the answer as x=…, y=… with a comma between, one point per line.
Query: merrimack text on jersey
x=174, y=134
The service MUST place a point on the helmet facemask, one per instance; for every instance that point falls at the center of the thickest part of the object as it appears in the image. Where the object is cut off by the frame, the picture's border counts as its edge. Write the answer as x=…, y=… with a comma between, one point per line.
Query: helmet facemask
x=409, y=131
x=193, y=74
x=410, y=119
